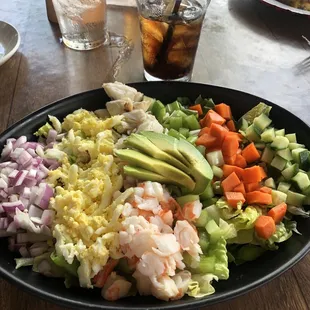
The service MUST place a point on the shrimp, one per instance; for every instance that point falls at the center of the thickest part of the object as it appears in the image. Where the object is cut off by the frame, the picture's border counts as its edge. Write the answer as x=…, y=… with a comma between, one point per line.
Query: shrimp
x=164, y=288
x=181, y=280
x=192, y=210
x=101, y=277
x=116, y=287
x=188, y=239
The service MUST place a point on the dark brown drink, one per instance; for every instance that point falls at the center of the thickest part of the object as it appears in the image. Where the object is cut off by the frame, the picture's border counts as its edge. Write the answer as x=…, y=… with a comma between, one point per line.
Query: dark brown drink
x=169, y=45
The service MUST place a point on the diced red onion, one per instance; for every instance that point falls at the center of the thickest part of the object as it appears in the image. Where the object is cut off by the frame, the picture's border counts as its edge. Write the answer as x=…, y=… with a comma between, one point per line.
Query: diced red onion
x=7, y=150
x=16, y=153
x=24, y=159
x=25, y=201
x=32, y=152
x=35, y=211
x=21, y=140
x=11, y=206
x=40, y=151
x=36, y=220
x=24, y=252
x=26, y=192
x=51, y=137
x=7, y=170
x=45, y=193
x=46, y=231
x=12, y=176
x=3, y=184
x=43, y=169
x=4, y=233
x=3, y=195
x=13, y=198
x=5, y=164
x=31, y=237
x=4, y=223
x=47, y=217
x=12, y=140
x=12, y=228
x=20, y=177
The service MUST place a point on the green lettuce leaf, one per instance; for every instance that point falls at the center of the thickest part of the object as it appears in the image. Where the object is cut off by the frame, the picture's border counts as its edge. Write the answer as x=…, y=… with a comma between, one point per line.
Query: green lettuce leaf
x=201, y=285
x=246, y=218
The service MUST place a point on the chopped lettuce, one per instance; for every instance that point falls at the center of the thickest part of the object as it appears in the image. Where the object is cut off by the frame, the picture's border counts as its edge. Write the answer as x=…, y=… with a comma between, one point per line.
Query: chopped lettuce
x=201, y=285
x=60, y=261
x=43, y=131
x=246, y=218
x=23, y=262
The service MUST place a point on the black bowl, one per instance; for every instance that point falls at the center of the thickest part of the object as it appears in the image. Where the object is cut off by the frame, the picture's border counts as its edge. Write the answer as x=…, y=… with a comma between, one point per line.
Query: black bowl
x=242, y=279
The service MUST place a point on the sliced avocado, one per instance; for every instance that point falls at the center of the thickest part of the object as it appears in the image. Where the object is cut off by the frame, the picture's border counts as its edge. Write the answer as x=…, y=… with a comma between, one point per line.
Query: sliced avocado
x=144, y=145
x=172, y=174
x=166, y=143
x=200, y=168
x=145, y=175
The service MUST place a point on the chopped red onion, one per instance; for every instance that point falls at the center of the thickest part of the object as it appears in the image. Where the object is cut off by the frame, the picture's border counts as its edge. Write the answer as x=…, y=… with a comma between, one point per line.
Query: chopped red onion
x=45, y=193
x=13, y=198
x=7, y=150
x=21, y=140
x=3, y=195
x=51, y=137
x=12, y=228
x=11, y=206
x=4, y=223
x=20, y=177
x=3, y=184
x=7, y=170
x=47, y=217
x=23, y=220
x=26, y=192
x=36, y=220
x=25, y=201
x=40, y=151
x=35, y=211
x=5, y=164
x=24, y=252
x=16, y=153
x=24, y=159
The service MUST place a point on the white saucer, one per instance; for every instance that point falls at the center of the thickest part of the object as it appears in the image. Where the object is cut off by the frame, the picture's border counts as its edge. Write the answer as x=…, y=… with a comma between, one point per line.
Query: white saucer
x=9, y=41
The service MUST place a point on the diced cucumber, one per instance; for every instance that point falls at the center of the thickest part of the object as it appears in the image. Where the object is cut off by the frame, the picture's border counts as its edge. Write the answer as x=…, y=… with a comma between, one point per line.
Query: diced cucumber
x=175, y=122
x=184, y=131
x=281, y=178
x=159, y=110
x=306, y=191
x=242, y=124
x=293, y=146
x=252, y=134
x=296, y=154
x=217, y=171
x=192, y=139
x=268, y=135
x=173, y=107
x=215, y=158
x=295, y=199
x=290, y=171
x=304, y=160
x=270, y=183
x=278, y=163
x=291, y=137
x=260, y=145
x=284, y=187
x=217, y=188
x=262, y=121
x=178, y=113
x=280, y=132
x=174, y=133
x=201, y=149
x=209, y=202
x=279, y=143
x=307, y=201
x=301, y=180
x=207, y=193
x=268, y=155
x=191, y=122
x=285, y=154
x=278, y=197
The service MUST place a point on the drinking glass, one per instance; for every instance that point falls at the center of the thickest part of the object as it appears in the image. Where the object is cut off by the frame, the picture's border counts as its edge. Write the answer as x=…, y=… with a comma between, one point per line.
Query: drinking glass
x=170, y=32
x=82, y=23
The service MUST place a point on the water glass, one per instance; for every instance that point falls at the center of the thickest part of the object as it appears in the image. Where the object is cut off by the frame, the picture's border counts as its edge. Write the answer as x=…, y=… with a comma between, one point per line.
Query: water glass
x=82, y=23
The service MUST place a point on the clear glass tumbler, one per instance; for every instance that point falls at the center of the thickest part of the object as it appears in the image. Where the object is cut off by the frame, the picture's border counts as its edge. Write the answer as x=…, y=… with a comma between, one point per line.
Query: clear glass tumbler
x=170, y=32
x=82, y=23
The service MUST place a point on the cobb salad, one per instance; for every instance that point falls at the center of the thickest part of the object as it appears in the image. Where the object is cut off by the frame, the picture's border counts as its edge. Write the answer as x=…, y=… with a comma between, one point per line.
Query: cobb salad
x=151, y=199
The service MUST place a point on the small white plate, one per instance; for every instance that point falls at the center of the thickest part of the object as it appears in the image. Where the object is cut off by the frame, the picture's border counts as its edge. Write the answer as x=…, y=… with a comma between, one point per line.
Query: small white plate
x=9, y=41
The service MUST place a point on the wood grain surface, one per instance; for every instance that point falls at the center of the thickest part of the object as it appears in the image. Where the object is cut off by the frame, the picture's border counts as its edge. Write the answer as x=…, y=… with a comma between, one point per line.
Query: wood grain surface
x=244, y=45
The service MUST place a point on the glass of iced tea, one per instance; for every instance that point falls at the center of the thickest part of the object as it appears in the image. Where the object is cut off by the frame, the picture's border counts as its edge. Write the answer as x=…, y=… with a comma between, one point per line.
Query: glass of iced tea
x=170, y=32
x=82, y=23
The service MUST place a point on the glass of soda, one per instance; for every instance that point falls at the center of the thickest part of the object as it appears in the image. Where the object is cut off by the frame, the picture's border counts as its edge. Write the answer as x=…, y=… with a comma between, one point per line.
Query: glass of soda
x=82, y=23
x=170, y=32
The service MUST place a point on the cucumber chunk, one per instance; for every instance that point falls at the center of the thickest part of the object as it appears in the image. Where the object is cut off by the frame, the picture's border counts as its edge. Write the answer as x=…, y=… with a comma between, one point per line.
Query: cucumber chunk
x=301, y=180
x=278, y=163
x=268, y=155
x=279, y=143
x=296, y=154
x=293, y=146
x=262, y=122
x=260, y=145
x=280, y=132
x=295, y=199
x=268, y=135
x=252, y=134
x=278, y=197
x=285, y=154
x=270, y=183
x=217, y=171
x=243, y=124
x=291, y=137
x=284, y=187
x=290, y=171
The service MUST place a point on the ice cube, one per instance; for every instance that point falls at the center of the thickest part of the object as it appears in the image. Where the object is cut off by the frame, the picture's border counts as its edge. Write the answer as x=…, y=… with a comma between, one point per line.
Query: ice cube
x=156, y=29
x=180, y=58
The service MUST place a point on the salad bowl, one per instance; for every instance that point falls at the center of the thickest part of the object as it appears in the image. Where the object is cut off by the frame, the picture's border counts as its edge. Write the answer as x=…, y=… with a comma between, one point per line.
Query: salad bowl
x=242, y=279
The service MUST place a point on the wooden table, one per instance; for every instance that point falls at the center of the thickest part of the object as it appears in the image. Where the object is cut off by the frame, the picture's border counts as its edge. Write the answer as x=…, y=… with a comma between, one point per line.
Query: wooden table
x=244, y=45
